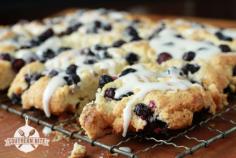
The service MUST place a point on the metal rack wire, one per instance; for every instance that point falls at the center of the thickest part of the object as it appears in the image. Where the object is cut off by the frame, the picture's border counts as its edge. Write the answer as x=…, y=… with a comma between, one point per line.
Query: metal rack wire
x=186, y=134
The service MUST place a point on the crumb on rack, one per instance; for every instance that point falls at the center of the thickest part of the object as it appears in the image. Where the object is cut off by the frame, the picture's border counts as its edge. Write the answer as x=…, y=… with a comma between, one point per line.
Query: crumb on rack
x=47, y=131
x=79, y=151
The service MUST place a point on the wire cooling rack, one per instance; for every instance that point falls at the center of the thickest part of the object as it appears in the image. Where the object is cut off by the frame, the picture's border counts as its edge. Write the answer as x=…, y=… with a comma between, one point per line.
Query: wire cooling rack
x=186, y=134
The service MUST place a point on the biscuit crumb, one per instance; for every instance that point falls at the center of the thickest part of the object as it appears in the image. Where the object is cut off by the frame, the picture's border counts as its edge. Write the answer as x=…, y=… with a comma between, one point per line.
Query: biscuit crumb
x=79, y=151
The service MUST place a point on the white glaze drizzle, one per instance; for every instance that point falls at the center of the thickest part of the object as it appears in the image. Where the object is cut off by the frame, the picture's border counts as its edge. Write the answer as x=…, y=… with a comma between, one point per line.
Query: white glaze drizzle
x=52, y=43
x=53, y=84
x=162, y=43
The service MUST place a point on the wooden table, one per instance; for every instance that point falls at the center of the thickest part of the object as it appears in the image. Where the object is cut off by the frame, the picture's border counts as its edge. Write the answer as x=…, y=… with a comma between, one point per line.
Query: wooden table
x=9, y=123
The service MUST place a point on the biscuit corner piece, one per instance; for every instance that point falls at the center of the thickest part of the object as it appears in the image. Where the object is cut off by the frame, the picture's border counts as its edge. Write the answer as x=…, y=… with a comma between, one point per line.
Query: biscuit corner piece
x=79, y=151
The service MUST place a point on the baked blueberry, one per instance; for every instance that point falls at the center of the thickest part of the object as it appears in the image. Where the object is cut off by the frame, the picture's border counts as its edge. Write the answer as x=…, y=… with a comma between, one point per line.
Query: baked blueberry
x=110, y=93
x=99, y=47
x=118, y=43
x=225, y=48
x=72, y=79
x=143, y=111
x=189, y=56
x=223, y=37
x=5, y=56
x=90, y=61
x=53, y=73
x=106, y=55
x=16, y=99
x=45, y=35
x=30, y=78
x=104, y=79
x=179, y=36
x=62, y=49
x=162, y=57
x=127, y=71
x=192, y=68
x=133, y=33
x=71, y=69
x=107, y=27
x=87, y=51
x=97, y=24
x=17, y=64
x=71, y=29
x=132, y=58
x=48, y=54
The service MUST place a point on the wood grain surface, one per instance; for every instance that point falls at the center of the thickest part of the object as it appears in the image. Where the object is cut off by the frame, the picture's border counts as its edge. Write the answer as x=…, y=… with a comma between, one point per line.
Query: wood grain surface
x=224, y=148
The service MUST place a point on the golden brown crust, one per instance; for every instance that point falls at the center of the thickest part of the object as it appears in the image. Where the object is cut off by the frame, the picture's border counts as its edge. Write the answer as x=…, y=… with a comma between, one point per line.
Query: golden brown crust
x=6, y=74
x=19, y=84
x=93, y=122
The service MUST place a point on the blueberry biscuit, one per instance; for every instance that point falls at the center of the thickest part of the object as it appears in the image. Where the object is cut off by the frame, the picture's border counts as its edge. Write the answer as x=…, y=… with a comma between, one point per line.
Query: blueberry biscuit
x=145, y=96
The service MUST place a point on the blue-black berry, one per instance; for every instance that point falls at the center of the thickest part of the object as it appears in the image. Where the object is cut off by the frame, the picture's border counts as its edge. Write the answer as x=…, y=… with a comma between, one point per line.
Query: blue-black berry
x=143, y=111
x=189, y=56
x=127, y=71
x=104, y=79
x=71, y=69
x=132, y=58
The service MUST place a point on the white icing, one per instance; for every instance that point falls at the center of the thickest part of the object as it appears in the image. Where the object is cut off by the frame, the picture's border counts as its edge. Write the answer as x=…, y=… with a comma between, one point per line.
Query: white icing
x=108, y=64
x=180, y=46
x=25, y=54
x=230, y=33
x=63, y=60
x=52, y=43
x=53, y=84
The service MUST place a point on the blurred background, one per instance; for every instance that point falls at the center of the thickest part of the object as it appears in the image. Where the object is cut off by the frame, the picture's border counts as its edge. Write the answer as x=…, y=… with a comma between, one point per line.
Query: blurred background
x=12, y=11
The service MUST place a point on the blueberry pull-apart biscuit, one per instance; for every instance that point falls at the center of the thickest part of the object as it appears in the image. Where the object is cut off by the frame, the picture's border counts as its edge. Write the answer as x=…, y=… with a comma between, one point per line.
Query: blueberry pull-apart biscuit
x=145, y=96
